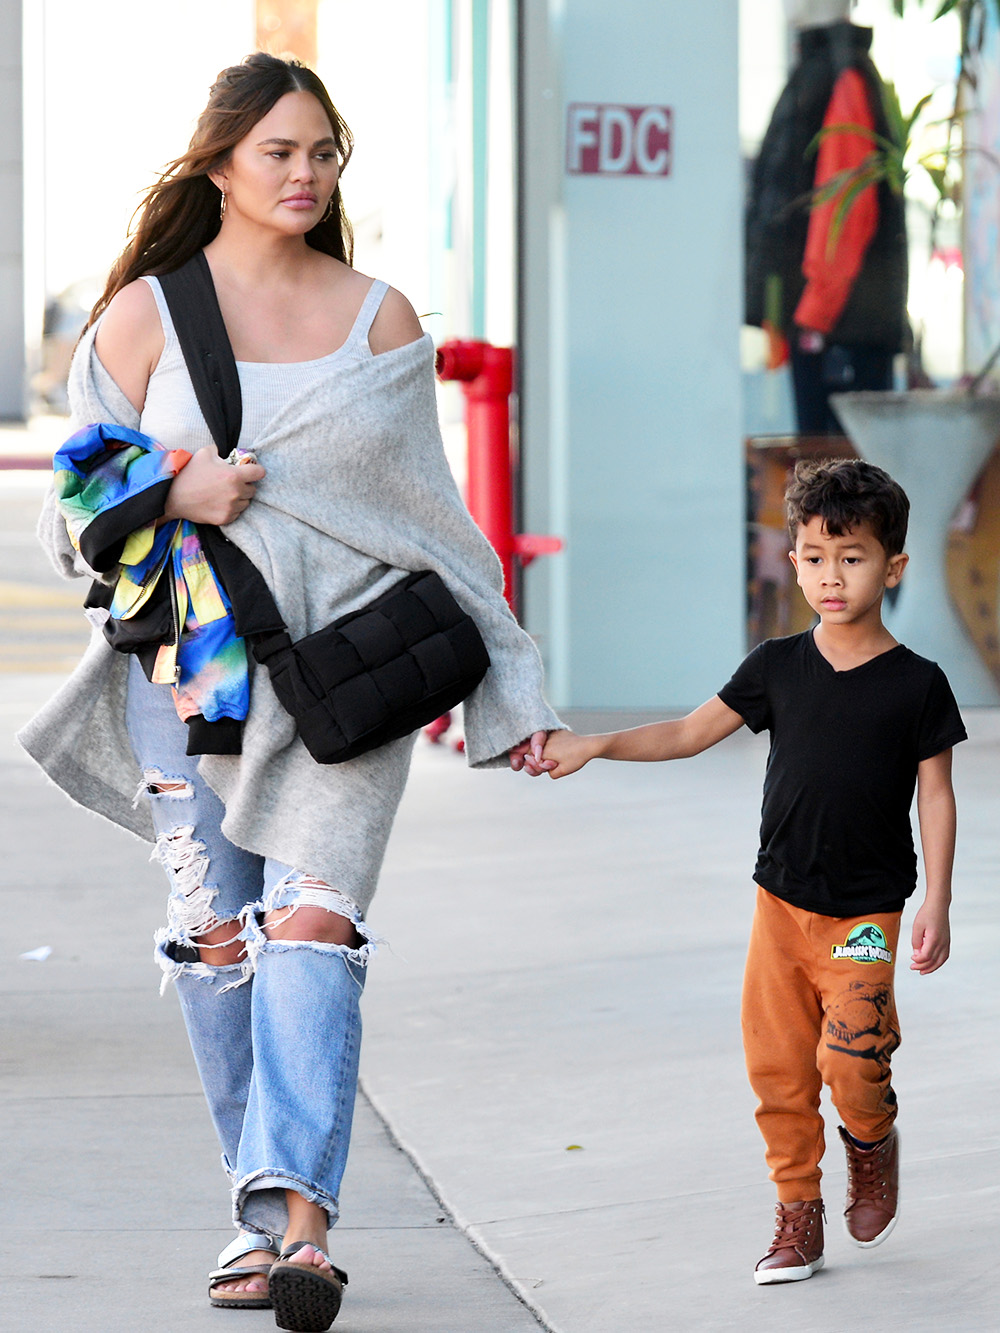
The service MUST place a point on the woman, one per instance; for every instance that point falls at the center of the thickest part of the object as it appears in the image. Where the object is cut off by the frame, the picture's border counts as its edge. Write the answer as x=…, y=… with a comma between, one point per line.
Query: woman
x=272, y=858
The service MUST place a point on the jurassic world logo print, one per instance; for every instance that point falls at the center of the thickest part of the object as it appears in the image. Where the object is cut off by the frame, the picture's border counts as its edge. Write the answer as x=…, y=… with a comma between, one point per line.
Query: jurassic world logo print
x=865, y=944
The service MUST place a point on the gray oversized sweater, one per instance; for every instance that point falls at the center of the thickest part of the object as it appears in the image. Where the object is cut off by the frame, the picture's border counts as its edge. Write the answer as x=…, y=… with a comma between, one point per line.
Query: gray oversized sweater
x=357, y=489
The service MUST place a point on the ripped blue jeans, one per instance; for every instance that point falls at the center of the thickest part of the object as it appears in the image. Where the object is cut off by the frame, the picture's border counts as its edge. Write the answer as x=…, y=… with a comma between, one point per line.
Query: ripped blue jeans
x=276, y=1037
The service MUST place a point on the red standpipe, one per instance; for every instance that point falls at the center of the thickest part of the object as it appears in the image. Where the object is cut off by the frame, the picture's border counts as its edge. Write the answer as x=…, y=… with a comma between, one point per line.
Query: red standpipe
x=486, y=374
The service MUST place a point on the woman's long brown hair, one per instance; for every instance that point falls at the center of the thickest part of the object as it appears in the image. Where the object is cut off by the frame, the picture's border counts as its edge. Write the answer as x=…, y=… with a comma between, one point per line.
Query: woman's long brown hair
x=180, y=213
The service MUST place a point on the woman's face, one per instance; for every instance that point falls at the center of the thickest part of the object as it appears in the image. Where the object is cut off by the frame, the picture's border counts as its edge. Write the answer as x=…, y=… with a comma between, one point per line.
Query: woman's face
x=282, y=174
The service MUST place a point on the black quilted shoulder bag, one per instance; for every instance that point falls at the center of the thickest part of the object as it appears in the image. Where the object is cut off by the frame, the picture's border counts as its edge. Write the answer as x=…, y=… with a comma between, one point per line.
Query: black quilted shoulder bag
x=370, y=677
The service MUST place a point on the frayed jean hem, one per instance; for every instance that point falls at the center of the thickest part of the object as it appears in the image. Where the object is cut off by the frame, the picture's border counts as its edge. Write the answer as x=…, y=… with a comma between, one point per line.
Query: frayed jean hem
x=259, y=1201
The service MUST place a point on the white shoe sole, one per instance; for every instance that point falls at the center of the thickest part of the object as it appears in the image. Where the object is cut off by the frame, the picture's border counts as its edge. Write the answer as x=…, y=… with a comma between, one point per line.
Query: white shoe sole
x=767, y=1277
x=882, y=1235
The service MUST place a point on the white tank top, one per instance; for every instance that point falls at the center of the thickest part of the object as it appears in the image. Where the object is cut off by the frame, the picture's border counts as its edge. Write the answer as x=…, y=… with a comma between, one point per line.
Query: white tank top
x=171, y=413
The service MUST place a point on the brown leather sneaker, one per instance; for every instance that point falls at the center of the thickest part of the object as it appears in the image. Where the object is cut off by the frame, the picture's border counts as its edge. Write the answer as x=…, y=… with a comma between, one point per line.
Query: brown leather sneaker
x=797, y=1249
x=872, y=1190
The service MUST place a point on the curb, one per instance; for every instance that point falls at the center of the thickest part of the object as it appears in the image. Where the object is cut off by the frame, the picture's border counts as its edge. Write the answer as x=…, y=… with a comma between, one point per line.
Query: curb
x=467, y=1228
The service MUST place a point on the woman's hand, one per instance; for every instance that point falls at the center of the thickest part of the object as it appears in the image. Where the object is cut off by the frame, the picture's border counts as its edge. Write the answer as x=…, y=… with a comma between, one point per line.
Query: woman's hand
x=528, y=755
x=209, y=490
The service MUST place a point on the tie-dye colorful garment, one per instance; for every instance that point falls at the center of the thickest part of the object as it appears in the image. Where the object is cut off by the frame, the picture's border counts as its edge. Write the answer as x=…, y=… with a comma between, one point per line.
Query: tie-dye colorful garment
x=111, y=484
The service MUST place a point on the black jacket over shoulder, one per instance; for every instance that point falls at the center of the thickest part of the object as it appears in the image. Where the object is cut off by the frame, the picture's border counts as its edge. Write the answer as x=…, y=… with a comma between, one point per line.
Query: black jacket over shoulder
x=777, y=219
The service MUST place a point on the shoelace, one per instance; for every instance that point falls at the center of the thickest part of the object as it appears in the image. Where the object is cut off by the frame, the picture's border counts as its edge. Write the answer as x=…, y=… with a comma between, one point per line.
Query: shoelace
x=793, y=1229
x=867, y=1173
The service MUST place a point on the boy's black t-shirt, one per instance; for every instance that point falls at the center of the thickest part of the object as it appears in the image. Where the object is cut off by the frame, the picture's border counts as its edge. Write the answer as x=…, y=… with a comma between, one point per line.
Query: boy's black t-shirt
x=835, y=824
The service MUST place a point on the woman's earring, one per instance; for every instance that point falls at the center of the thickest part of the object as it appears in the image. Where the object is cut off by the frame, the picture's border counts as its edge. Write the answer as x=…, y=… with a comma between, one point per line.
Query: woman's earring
x=222, y=206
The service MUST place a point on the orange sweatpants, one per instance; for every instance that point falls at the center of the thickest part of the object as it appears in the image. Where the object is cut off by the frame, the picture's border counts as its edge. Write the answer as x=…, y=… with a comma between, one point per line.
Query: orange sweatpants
x=818, y=1008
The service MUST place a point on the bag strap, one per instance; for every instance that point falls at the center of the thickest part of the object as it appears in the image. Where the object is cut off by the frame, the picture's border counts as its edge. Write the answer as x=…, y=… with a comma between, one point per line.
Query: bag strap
x=208, y=354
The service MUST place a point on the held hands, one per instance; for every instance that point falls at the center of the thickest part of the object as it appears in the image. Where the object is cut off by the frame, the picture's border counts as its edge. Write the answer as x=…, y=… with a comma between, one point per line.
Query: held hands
x=565, y=752
x=528, y=755
x=208, y=490
x=931, y=939
x=558, y=753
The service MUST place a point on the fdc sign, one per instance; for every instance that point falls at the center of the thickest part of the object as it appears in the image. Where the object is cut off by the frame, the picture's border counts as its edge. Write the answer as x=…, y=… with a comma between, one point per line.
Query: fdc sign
x=608, y=140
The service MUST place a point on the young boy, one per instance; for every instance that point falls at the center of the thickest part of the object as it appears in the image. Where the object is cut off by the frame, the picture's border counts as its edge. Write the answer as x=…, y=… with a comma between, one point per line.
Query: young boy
x=855, y=720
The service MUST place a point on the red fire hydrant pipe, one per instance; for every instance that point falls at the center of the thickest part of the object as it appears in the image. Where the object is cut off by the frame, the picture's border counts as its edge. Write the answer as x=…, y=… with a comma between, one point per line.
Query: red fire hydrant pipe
x=490, y=494
x=486, y=374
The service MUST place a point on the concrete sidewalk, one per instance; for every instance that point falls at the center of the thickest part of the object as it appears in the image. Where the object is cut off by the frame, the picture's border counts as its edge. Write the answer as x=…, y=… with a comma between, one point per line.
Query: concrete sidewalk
x=115, y=1204
x=560, y=1050
x=553, y=1038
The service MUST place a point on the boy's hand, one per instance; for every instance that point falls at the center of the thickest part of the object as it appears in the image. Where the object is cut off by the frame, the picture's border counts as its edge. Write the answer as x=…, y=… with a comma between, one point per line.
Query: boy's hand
x=931, y=939
x=565, y=752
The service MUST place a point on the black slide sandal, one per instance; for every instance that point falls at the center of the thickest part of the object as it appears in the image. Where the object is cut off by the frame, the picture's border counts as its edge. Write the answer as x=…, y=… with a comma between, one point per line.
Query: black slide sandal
x=306, y=1299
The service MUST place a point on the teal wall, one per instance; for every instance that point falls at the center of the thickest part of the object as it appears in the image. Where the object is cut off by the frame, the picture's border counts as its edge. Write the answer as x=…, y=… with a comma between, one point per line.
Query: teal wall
x=630, y=312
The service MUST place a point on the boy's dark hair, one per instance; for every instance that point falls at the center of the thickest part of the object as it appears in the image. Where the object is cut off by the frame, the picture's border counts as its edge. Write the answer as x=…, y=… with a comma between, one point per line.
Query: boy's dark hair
x=844, y=492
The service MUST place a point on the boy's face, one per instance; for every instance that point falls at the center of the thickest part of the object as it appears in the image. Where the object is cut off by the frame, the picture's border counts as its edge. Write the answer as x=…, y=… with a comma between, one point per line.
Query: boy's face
x=843, y=578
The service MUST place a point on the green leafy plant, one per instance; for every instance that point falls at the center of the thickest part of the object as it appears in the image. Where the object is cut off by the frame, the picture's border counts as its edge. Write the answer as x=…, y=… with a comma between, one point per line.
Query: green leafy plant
x=890, y=160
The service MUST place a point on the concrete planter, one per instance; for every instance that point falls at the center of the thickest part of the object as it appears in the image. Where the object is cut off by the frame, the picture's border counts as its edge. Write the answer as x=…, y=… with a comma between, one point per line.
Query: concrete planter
x=935, y=444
